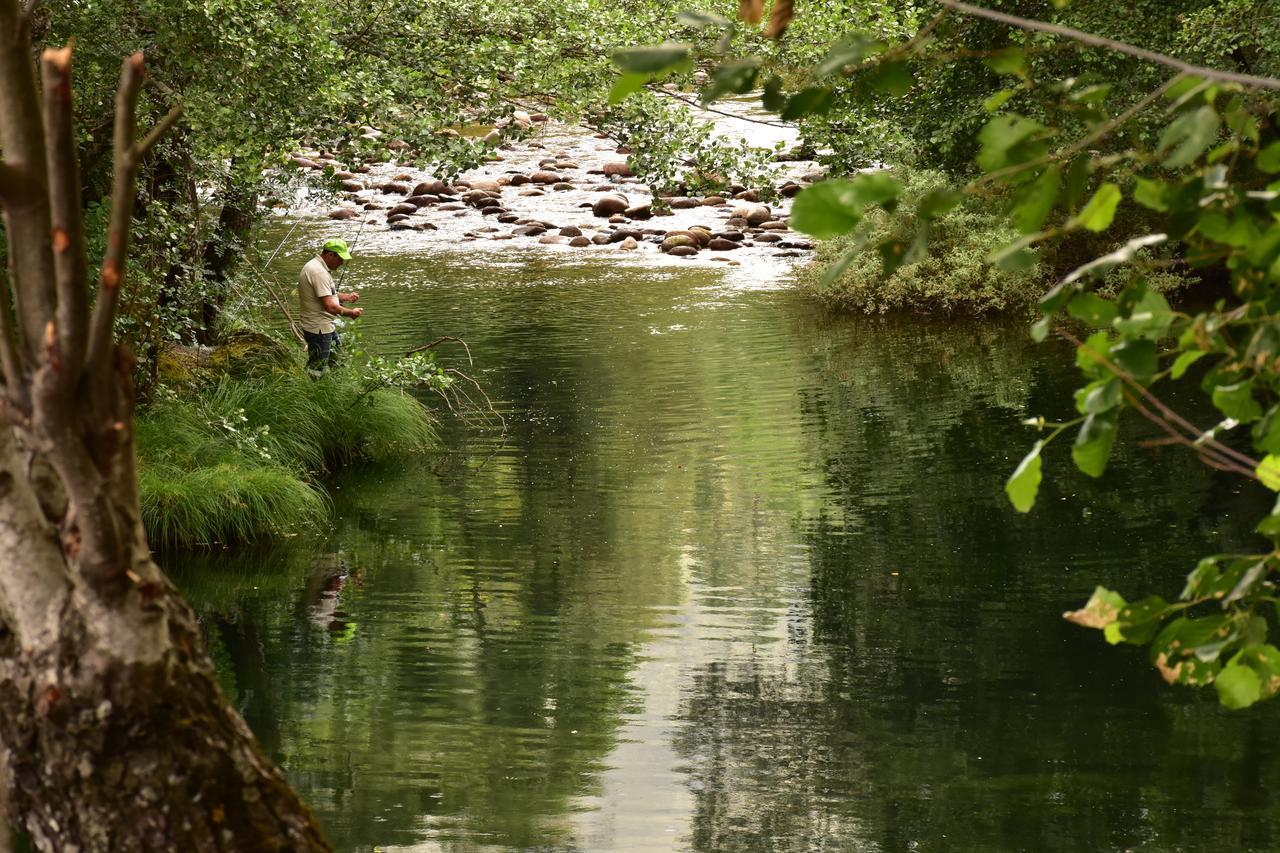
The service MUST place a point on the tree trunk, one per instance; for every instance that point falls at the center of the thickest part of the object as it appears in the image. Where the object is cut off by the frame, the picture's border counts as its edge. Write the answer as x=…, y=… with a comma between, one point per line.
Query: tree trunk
x=220, y=253
x=114, y=734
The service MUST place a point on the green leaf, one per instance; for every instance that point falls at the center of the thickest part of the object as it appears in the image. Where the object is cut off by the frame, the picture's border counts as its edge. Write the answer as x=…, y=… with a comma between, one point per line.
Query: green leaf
x=1184, y=361
x=1094, y=441
x=1101, y=209
x=737, y=77
x=1236, y=401
x=937, y=202
x=1138, y=623
x=876, y=187
x=833, y=272
x=892, y=78
x=1024, y=483
x=1189, y=135
x=1268, y=159
x=1005, y=131
x=1266, y=432
x=1040, y=329
x=1101, y=395
x=1093, y=309
x=1268, y=472
x=1033, y=202
x=772, y=98
x=1011, y=61
x=702, y=20
x=1090, y=352
x=1077, y=181
x=1102, y=609
x=656, y=59
x=827, y=209
x=1137, y=358
x=625, y=85
x=1150, y=318
x=1152, y=195
x=1238, y=687
x=815, y=100
x=998, y=100
x=848, y=51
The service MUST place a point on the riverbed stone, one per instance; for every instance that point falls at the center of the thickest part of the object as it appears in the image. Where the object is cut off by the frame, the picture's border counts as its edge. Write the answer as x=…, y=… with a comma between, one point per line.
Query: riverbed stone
x=492, y=210
x=529, y=231
x=404, y=207
x=550, y=239
x=774, y=225
x=570, y=231
x=684, y=203
x=342, y=213
x=682, y=251
x=628, y=244
x=579, y=241
x=622, y=234
x=561, y=186
x=713, y=200
x=519, y=180
x=394, y=187
x=795, y=244
x=676, y=241
x=735, y=236
x=622, y=170
x=352, y=186
x=639, y=211
x=397, y=217
x=433, y=187
x=754, y=214
x=789, y=189
x=600, y=239
x=608, y=205
x=508, y=218
x=768, y=237
x=543, y=177
x=720, y=244
x=453, y=205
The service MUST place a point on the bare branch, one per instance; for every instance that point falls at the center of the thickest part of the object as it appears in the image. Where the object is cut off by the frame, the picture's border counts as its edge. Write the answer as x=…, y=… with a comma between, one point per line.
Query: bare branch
x=162, y=127
x=1111, y=44
x=432, y=345
x=27, y=213
x=68, y=224
x=10, y=357
x=293, y=326
x=122, y=200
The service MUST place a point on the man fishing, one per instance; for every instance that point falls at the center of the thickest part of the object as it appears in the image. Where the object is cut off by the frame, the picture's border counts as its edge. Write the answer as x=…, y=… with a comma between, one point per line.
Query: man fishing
x=321, y=303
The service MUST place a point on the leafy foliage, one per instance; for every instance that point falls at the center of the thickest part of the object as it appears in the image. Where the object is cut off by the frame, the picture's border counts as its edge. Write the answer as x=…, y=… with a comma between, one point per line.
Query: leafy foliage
x=1186, y=164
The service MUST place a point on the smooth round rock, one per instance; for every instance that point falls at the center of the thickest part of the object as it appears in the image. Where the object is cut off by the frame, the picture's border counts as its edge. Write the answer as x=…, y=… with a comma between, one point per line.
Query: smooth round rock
x=683, y=251
x=609, y=205
x=719, y=244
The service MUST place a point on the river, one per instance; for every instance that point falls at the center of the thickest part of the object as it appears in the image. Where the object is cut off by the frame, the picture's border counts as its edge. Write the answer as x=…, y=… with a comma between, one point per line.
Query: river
x=738, y=577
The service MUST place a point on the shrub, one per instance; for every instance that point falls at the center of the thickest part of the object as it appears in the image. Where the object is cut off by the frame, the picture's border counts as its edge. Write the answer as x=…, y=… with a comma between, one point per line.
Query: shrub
x=955, y=277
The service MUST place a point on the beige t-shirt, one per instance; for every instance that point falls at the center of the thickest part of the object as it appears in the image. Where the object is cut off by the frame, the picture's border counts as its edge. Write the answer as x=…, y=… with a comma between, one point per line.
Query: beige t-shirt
x=314, y=284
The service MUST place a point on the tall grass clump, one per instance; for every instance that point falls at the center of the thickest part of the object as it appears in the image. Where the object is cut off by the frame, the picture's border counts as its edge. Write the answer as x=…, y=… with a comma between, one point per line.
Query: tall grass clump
x=237, y=460
x=954, y=278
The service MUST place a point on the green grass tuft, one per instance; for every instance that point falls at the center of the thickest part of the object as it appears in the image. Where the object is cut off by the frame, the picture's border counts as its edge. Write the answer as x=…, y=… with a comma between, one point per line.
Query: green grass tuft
x=237, y=461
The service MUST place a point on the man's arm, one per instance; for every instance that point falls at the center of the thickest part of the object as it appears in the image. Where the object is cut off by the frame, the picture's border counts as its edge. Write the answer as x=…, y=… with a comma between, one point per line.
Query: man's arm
x=348, y=297
x=332, y=305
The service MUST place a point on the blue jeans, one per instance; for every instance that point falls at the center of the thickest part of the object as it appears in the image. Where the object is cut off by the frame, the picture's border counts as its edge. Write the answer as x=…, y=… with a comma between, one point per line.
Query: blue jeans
x=322, y=349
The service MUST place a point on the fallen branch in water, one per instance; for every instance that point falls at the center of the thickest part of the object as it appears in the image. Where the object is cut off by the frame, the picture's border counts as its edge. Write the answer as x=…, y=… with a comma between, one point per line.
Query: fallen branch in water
x=426, y=347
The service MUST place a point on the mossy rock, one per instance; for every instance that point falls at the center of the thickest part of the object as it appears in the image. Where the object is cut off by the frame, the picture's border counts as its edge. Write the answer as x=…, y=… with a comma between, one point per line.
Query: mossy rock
x=246, y=353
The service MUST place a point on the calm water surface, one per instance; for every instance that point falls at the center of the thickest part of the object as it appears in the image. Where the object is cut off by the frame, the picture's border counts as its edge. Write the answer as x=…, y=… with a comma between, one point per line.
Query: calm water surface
x=740, y=578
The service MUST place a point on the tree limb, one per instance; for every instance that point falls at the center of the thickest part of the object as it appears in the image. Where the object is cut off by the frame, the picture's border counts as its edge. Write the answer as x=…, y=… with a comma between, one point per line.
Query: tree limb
x=97, y=360
x=1111, y=44
x=27, y=214
x=68, y=224
x=162, y=127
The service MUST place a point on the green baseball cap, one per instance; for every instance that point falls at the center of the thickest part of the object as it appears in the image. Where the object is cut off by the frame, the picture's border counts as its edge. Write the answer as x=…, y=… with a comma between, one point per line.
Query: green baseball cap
x=339, y=248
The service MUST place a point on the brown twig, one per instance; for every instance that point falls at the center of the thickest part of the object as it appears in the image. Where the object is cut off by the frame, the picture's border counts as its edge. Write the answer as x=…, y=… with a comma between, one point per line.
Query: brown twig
x=653, y=87
x=426, y=347
x=1209, y=447
x=1111, y=44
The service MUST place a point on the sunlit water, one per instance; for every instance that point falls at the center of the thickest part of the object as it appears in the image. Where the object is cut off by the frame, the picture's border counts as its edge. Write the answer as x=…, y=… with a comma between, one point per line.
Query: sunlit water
x=738, y=578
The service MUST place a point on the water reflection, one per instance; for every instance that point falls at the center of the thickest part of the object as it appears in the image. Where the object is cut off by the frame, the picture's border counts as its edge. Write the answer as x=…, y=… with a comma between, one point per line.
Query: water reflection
x=740, y=578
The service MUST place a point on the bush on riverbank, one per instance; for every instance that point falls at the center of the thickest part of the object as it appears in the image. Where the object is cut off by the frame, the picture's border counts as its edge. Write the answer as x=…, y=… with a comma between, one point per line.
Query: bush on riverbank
x=955, y=277
x=235, y=461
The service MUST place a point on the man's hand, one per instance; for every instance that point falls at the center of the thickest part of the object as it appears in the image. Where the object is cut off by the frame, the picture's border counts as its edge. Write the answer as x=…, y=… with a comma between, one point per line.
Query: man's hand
x=354, y=312
x=348, y=297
